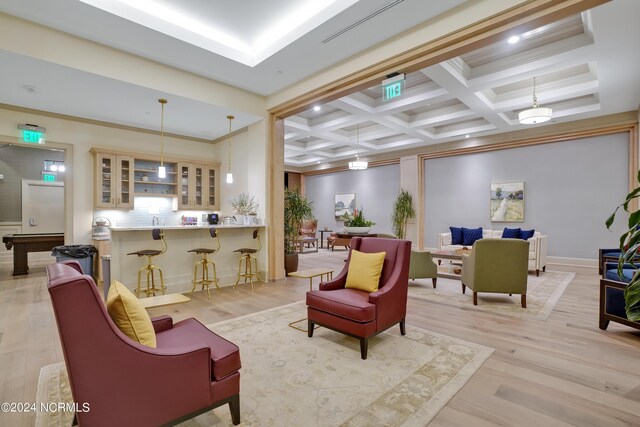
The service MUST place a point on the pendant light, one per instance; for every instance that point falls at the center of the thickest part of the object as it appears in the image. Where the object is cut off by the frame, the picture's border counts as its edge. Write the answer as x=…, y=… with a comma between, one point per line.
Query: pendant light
x=535, y=114
x=357, y=164
x=162, y=171
x=229, y=174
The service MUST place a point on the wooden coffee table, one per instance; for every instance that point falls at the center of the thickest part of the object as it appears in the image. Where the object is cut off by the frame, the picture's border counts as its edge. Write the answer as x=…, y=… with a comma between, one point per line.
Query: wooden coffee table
x=301, y=241
x=455, y=258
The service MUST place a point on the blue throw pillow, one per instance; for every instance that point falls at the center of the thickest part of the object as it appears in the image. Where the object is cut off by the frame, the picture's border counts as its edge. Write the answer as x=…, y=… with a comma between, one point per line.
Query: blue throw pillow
x=470, y=235
x=511, y=233
x=526, y=234
x=456, y=235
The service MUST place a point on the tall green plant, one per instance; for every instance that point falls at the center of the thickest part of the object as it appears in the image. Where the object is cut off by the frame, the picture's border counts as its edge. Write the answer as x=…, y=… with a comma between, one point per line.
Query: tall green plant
x=296, y=209
x=402, y=212
x=629, y=246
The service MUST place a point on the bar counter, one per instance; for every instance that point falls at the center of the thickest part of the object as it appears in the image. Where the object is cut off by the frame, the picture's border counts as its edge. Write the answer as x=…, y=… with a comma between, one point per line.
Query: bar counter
x=177, y=263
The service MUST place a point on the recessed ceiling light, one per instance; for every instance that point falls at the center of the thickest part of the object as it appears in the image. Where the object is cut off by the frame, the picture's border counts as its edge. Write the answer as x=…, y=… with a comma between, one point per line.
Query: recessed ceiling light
x=466, y=136
x=513, y=39
x=317, y=108
x=318, y=162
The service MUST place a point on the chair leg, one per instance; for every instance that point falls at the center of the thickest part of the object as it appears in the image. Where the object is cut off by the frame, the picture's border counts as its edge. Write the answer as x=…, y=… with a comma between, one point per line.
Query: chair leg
x=523, y=300
x=310, y=327
x=464, y=288
x=364, y=346
x=402, y=330
x=234, y=407
x=162, y=281
x=603, y=323
x=439, y=261
x=139, y=278
x=475, y=298
x=544, y=268
x=215, y=276
x=205, y=278
x=195, y=277
x=537, y=272
x=75, y=419
x=434, y=281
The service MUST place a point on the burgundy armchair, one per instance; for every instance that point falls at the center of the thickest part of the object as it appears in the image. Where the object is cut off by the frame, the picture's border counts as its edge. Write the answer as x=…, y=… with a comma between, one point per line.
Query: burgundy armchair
x=358, y=313
x=191, y=371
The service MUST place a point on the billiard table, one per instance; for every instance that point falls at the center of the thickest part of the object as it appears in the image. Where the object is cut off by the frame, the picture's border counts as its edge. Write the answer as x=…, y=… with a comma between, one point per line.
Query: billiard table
x=22, y=244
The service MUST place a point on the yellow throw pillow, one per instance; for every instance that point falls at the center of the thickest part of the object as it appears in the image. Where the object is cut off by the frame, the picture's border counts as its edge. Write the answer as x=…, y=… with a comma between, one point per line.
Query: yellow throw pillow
x=129, y=315
x=364, y=270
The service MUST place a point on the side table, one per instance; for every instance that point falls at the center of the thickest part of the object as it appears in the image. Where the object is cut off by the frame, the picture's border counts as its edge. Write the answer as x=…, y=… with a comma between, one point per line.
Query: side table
x=322, y=237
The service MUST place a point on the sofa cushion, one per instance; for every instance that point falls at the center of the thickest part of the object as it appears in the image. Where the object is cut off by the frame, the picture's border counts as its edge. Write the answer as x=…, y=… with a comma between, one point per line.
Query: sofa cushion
x=470, y=235
x=511, y=233
x=456, y=235
x=526, y=234
x=225, y=355
x=627, y=274
x=364, y=270
x=129, y=315
x=351, y=304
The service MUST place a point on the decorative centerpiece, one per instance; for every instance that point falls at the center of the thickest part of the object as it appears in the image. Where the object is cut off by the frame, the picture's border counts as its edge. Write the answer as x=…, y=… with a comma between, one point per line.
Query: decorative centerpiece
x=244, y=205
x=358, y=224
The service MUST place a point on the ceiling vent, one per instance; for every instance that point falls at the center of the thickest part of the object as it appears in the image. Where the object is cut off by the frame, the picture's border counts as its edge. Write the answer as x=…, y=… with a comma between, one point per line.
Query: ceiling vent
x=363, y=20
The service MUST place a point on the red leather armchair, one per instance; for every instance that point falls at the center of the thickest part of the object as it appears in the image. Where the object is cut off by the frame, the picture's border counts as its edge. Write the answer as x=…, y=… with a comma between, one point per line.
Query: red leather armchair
x=191, y=371
x=358, y=313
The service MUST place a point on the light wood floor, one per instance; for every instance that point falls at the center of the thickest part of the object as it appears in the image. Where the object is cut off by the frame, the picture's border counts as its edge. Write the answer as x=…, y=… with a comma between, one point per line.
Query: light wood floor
x=563, y=371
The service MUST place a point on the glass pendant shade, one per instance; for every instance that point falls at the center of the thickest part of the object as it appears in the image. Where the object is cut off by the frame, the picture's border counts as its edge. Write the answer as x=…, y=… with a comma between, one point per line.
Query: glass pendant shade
x=229, y=178
x=162, y=172
x=229, y=174
x=358, y=165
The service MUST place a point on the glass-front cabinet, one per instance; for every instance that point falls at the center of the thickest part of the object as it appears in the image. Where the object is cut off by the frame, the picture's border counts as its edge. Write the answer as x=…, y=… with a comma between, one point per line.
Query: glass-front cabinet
x=211, y=179
x=114, y=181
x=192, y=186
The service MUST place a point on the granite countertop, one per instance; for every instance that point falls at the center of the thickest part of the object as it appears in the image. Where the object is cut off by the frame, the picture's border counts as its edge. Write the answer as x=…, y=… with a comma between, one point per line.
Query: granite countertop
x=182, y=227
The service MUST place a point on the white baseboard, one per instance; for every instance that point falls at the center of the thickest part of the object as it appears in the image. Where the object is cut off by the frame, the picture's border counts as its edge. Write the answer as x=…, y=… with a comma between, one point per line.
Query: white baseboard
x=572, y=262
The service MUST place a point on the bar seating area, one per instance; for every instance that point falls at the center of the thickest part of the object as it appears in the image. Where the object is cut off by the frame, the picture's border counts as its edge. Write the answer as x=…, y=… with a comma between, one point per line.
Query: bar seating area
x=204, y=263
x=150, y=269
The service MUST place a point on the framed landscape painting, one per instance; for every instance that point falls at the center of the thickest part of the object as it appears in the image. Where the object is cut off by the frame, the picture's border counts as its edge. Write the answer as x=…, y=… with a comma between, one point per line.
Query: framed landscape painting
x=507, y=202
x=345, y=205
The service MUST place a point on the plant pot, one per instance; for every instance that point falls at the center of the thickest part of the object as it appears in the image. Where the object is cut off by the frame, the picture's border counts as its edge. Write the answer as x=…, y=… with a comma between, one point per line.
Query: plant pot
x=357, y=229
x=291, y=262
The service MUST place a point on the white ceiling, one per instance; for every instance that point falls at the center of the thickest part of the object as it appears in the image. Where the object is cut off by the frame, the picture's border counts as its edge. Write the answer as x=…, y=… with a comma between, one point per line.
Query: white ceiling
x=585, y=66
x=298, y=52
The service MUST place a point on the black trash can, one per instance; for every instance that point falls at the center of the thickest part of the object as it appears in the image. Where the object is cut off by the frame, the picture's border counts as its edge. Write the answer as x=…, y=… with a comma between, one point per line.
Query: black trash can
x=81, y=253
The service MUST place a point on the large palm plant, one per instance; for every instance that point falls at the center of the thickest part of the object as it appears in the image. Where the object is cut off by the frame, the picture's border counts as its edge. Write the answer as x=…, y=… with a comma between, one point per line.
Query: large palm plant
x=296, y=209
x=402, y=212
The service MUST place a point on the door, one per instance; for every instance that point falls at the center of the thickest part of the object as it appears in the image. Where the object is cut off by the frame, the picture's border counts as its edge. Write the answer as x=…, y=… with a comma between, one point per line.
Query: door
x=42, y=207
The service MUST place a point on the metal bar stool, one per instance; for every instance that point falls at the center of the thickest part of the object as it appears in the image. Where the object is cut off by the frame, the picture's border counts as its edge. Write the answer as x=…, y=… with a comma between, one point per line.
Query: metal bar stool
x=204, y=261
x=157, y=234
x=249, y=261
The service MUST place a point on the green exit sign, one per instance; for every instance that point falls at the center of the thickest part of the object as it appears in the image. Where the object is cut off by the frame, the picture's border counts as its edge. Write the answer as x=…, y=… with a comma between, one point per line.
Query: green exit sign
x=393, y=87
x=32, y=137
x=47, y=177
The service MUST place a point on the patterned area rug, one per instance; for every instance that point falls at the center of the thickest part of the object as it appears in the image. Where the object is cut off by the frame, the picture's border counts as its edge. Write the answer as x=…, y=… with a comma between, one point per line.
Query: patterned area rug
x=288, y=379
x=543, y=294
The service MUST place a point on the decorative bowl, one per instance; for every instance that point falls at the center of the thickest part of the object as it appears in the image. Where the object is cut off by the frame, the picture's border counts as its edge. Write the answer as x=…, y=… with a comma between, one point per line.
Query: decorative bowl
x=357, y=229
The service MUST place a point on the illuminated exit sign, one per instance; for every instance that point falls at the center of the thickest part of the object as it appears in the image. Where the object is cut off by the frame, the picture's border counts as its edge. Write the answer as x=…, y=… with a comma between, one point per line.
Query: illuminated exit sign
x=48, y=177
x=31, y=134
x=393, y=87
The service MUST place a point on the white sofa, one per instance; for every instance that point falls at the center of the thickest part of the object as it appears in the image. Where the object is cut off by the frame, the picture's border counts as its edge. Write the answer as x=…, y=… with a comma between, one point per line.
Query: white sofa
x=537, y=247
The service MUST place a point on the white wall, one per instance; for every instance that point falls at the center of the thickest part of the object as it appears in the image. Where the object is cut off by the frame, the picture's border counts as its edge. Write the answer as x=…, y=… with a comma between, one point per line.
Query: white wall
x=570, y=189
x=376, y=190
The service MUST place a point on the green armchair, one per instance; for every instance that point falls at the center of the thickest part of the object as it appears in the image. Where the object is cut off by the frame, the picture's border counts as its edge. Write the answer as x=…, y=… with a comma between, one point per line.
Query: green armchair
x=497, y=266
x=421, y=266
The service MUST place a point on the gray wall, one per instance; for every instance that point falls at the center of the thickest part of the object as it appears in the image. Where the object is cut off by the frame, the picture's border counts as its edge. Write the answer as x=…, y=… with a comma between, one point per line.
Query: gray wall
x=570, y=189
x=18, y=163
x=376, y=190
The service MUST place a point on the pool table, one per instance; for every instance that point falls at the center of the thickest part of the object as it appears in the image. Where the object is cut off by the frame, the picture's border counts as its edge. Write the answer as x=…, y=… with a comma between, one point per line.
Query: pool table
x=22, y=244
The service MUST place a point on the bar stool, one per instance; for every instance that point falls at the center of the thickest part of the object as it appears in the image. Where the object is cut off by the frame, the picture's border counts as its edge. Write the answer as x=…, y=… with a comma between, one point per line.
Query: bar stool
x=249, y=261
x=157, y=234
x=204, y=261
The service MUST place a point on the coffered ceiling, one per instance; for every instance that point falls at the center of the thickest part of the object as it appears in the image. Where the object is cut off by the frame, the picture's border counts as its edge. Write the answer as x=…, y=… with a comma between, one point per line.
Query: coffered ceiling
x=585, y=66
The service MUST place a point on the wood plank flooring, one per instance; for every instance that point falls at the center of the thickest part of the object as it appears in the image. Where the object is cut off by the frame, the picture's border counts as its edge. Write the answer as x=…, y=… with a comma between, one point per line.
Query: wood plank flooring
x=559, y=372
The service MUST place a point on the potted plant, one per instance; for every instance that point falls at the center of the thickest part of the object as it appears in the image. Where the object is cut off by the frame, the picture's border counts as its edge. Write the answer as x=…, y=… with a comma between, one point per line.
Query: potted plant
x=296, y=209
x=629, y=246
x=402, y=212
x=358, y=224
x=244, y=205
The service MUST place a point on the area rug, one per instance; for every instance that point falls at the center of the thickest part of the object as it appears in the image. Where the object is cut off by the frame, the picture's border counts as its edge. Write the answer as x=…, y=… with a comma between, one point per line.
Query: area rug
x=543, y=293
x=288, y=379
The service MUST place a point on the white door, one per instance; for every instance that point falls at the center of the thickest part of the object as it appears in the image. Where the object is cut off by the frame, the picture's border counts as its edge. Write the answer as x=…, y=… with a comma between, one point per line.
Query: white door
x=42, y=207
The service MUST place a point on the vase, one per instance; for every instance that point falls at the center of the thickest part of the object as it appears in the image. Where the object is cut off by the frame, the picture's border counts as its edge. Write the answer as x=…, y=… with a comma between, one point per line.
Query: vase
x=359, y=230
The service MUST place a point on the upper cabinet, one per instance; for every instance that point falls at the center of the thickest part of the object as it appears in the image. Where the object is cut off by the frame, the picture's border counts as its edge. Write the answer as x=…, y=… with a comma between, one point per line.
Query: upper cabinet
x=119, y=177
x=114, y=181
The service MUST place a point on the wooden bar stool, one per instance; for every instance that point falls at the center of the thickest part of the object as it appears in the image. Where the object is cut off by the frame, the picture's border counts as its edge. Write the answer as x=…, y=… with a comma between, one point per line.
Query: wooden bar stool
x=249, y=261
x=157, y=234
x=204, y=261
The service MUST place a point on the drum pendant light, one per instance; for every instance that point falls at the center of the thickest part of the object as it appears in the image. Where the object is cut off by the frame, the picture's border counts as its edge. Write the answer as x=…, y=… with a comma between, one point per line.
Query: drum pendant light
x=357, y=164
x=229, y=174
x=535, y=114
x=162, y=171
